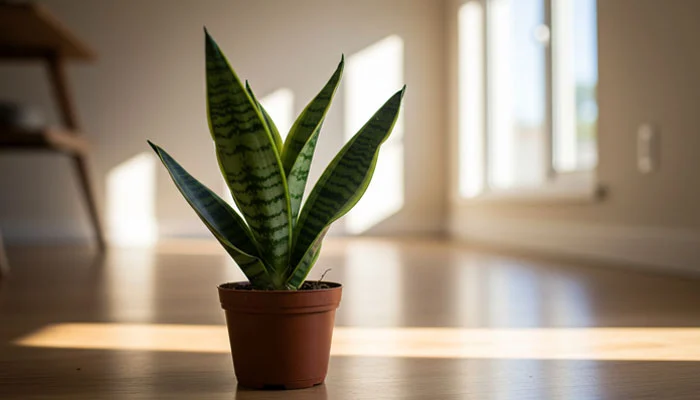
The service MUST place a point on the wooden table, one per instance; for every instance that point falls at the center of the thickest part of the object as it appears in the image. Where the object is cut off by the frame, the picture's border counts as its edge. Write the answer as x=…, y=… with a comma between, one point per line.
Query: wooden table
x=30, y=32
x=4, y=264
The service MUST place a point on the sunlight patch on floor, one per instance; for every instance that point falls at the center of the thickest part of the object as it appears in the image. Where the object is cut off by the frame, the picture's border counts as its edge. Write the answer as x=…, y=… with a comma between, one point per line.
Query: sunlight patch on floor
x=624, y=344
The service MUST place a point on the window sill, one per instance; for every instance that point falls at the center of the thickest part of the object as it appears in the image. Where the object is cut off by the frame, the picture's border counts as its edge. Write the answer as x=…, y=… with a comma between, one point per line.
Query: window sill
x=566, y=188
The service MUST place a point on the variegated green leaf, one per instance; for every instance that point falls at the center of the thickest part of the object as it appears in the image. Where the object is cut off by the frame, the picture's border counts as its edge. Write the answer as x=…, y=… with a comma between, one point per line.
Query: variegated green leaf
x=345, y=180
x=310, y=119
x=300, y=144
x=223, y=222
x=299, y=273
x=296, y=180
x=249, y=161
x=276, y=138
x=251, y=266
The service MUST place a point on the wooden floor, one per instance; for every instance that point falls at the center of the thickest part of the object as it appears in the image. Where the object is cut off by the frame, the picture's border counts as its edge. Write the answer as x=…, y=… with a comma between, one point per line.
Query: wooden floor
x=418, y=320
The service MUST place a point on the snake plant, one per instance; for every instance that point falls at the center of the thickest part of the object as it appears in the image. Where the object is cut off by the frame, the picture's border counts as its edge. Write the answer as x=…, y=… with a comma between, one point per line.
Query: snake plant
x=274, y=240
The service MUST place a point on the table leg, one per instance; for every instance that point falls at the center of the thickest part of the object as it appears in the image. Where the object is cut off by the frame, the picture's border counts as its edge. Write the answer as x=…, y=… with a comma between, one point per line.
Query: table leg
x=4, y=265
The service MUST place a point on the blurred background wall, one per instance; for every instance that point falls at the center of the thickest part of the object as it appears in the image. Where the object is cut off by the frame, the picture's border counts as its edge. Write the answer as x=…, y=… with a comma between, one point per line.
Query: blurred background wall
x=149, y=83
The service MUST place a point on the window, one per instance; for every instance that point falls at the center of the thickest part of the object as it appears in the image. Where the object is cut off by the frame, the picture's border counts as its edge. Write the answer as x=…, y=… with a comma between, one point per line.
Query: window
x=528, y=75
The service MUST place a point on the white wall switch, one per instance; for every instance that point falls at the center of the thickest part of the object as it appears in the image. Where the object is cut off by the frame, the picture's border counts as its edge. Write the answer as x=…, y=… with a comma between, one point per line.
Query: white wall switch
x=647, y=148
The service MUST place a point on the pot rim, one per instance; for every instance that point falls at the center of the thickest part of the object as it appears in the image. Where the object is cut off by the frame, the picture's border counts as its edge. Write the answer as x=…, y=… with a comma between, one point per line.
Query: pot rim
x=288, y=292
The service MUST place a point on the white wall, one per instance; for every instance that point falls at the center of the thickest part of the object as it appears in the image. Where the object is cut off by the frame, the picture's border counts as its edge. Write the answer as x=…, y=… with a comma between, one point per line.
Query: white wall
x=148, y=83
x=649, y=71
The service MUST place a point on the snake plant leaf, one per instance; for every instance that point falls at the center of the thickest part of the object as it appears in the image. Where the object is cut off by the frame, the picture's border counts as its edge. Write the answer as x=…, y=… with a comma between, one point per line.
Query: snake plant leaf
x=298, y=274
x=345, y=179
x=268, y=120
x=296, y=180
x=301, y=141
x=249, y=161
x=310, y=119
x=223, y=222
x=253, y=267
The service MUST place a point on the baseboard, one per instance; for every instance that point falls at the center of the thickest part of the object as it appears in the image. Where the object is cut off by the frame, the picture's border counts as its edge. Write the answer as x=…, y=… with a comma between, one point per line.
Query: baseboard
x=76, y=232
x=45, y=232
x=182, y=228
x=663, y=249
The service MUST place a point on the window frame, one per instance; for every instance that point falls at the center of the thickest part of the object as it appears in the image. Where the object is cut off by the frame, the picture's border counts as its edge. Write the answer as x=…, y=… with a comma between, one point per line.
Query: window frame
x=575, y=185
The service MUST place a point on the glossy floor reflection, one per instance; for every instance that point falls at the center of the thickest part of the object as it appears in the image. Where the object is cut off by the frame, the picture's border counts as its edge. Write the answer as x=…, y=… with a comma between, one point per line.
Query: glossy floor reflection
x=616, y=344
x=418, y=320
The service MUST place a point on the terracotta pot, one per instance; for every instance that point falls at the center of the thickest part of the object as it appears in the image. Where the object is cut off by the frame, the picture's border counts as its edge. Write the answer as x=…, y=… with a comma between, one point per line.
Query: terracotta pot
x=280, y=339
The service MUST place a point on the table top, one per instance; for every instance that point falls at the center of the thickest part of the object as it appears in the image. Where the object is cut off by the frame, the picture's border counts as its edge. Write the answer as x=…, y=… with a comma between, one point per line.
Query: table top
x=29, y=30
